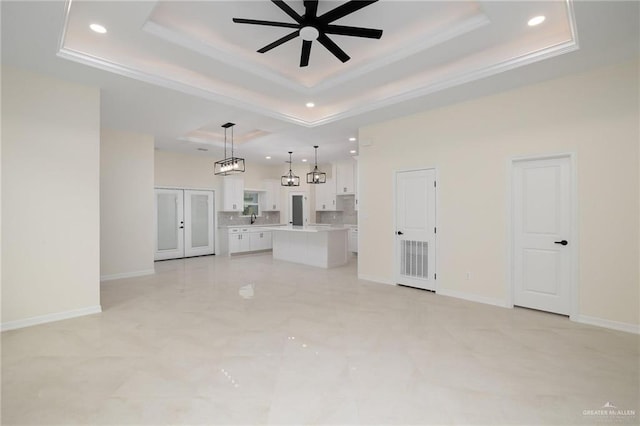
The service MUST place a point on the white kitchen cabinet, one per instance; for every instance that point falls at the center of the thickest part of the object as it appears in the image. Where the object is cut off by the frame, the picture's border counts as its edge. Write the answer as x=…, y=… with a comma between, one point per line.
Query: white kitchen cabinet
x=326, y=196
x=345, y=178
x=260, y=240
x=353, y=240
x=271, y=197
x=232, y=194
x=246, y=239
x=239, y=241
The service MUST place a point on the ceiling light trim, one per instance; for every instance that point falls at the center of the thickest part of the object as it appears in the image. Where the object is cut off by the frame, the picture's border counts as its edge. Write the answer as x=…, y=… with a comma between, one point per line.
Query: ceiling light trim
x=424, y=43
x=463, y=78
x=117, y=68
x=407, y=94
x=427, y=42
x=211, y=52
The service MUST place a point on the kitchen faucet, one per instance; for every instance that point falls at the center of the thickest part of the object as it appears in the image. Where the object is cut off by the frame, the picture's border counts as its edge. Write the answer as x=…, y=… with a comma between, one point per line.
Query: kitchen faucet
x=253, y=218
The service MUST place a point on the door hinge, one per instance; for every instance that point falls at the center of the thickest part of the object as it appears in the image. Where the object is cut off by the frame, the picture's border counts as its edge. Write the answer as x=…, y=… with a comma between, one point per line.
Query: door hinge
x=435, y=276
x=434, y=184
x=435, y=230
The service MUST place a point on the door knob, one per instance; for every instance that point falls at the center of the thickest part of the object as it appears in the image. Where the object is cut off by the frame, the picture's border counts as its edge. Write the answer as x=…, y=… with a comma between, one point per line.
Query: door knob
x=400, y=233
x=563, y=242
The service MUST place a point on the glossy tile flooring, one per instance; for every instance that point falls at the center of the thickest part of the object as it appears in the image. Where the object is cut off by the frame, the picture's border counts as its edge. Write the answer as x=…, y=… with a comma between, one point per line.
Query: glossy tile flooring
x=249, y=340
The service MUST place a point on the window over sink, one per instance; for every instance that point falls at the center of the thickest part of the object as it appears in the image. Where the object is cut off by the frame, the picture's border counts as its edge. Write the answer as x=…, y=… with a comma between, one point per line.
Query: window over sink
x=251, y=203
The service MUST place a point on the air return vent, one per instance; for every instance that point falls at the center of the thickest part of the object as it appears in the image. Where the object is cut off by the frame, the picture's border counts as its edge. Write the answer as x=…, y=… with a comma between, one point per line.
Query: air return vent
x=414, y=259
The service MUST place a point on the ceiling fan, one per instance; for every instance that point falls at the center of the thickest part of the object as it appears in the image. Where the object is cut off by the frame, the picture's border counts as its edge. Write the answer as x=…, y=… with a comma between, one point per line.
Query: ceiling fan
x=311, y=27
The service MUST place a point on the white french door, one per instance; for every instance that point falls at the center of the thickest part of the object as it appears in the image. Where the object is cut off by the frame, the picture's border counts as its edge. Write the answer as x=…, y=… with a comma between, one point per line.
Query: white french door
x=198, y=226
x=184, y=223
x=542, y=240
x=416, y=228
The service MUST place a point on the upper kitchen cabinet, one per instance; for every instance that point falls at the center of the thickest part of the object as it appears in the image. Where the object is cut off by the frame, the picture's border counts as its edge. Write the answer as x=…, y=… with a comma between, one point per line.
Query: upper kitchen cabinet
x=270, y=199
x=346, y=177
x=326, y=196
x=232, y=194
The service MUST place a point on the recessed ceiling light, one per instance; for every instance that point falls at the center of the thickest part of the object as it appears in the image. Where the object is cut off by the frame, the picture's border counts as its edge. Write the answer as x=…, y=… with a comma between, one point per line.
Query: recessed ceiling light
x=536, y=20
x=268, y=157
x=304, y=160
x=310, y=104
x=98, y=28
x=352, y=139
x=353, y=151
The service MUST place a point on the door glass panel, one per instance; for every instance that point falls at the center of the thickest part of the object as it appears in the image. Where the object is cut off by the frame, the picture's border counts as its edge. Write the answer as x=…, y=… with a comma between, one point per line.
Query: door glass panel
x=297, y=211
x=167, y=222
x=199, y=220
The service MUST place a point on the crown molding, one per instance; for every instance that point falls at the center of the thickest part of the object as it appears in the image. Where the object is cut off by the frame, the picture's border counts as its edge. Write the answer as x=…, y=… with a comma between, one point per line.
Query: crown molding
x=425, y=42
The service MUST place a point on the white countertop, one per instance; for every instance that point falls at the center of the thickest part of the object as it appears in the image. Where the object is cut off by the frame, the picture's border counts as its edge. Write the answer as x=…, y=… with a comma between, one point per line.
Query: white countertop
x=256, y=225
x=309, y=228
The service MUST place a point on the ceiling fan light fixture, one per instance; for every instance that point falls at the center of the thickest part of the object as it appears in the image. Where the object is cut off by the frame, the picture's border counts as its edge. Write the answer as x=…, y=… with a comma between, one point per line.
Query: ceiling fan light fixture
x=228, y=165
x=313, y=27
x=309, y=33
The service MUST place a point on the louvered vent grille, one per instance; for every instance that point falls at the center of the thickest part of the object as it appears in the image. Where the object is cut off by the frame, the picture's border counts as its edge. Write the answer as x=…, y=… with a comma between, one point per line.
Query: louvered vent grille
x=414, y=259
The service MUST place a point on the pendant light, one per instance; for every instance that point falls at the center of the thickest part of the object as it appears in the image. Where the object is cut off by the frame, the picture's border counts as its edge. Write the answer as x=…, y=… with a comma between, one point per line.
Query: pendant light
x=290, y=179
x=316, y=176
x=231, y=164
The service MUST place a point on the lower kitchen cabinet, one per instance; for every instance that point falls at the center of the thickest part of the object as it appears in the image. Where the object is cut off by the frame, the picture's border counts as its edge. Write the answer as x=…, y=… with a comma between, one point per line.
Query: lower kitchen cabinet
x=246, y=239
x=260, y=240
x=353, y=240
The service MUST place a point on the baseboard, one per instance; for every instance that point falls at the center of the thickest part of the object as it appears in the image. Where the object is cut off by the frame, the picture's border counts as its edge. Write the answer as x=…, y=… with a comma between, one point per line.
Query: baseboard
x=375, y=279
x=472, y=297
x=43, y=319
x=600, y=322
x=127, y=275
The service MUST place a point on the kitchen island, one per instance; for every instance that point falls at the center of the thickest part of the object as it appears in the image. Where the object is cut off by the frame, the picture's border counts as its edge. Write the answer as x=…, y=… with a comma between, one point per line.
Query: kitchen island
x=321, y=246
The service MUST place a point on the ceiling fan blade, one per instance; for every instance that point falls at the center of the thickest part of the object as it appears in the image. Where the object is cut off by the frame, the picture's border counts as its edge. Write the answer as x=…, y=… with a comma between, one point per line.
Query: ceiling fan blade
x=344, y=10
x=333, y=48
x=306, y=52
x=280, y=41
x=268, y=23
x=310, y=8
x=287, y=9
x=353, y=31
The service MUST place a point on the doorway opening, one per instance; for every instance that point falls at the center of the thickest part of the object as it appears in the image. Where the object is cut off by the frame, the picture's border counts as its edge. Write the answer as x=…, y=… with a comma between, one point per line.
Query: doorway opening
x=298, y=209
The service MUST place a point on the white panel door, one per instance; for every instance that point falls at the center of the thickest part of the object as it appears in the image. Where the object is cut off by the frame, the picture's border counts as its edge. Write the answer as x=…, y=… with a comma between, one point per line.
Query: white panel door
x=198, y=229
x=416, y=228
x=542, y=234
x=169, y=224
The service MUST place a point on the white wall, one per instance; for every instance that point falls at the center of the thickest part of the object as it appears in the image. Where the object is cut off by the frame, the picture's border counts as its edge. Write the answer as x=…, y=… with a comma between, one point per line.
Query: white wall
x=594, y=114
x=50, y=199
x=126, y=204
x=196, y=172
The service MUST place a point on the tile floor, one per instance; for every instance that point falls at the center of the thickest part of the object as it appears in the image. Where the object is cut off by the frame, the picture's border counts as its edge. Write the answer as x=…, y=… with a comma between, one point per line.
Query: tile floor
x=249, y=340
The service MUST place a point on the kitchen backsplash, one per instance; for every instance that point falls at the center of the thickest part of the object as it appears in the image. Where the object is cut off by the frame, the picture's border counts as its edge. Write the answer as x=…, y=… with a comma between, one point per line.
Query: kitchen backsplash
x=348, y=215
x=234, y=218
